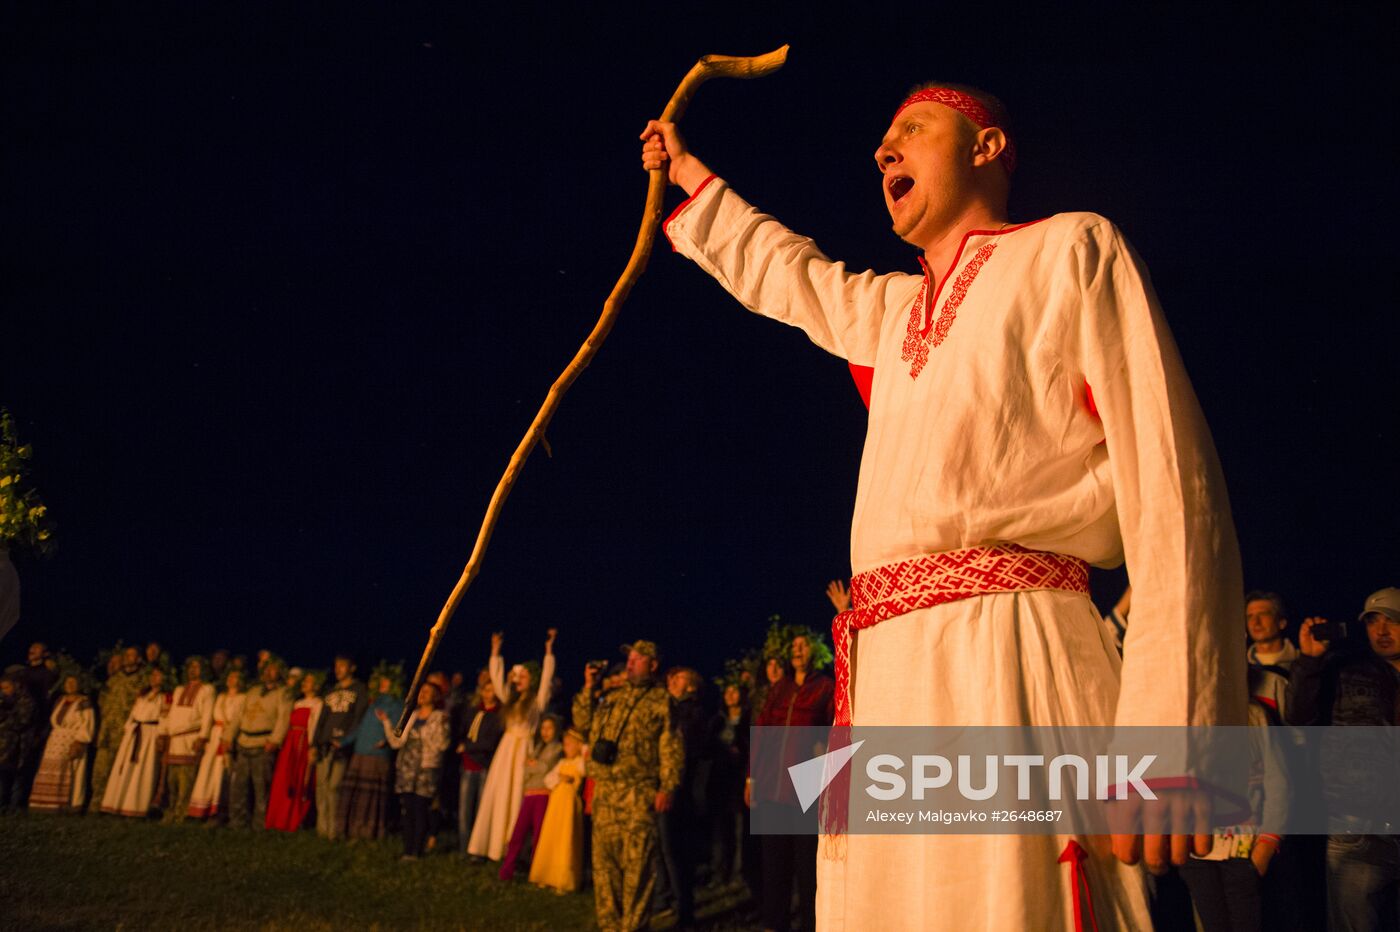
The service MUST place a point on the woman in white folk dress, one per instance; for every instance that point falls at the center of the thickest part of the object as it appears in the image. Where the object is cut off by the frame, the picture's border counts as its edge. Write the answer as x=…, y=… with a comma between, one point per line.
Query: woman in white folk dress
x=61, y=783
x=210, y=783
x=132, y=785
x=523, y=705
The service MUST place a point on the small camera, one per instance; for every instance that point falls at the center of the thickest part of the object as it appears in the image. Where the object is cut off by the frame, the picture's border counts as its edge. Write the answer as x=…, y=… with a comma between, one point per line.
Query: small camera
x=1330, y=631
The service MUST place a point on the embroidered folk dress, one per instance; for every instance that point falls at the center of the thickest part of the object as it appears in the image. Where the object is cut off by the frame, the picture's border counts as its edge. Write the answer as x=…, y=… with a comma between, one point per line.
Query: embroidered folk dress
x=1031, y=395
x=132, y=785
x=505, y=779
x=290, y=797
x=61, y=782
x=207, y=798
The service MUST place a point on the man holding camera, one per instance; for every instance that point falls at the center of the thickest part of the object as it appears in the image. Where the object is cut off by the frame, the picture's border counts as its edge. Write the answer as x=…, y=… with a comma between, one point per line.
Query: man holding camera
x=635, y=760
x=1345, y=688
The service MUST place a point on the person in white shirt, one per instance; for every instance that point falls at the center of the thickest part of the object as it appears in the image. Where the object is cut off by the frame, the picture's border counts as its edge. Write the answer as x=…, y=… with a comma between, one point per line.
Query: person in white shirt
x=186, y=727
x=1029, y=416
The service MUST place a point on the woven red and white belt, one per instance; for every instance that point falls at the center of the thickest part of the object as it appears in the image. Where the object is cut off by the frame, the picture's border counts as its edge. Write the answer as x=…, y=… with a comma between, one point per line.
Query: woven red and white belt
x=923, y=582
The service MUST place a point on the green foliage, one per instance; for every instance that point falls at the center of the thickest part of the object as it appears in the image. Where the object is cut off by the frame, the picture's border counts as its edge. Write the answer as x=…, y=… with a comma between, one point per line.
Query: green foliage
x=779, y=642
x=743, y=672
x=67, y=665
x=99, y=664
x=394, y=671
x=24, y=519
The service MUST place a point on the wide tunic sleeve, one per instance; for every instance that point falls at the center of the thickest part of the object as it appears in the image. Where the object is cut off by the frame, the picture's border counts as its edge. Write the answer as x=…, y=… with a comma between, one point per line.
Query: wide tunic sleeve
x=397, y=741
x=779, y=274
x=86, y=725
x=1183, y=657
x=496, y=666
x=546, y=683
x=204, y=705
x=232, y=712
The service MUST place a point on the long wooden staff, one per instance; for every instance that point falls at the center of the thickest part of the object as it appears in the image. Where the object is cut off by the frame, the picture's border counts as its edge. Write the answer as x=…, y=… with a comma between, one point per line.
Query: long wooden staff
x=711, y=66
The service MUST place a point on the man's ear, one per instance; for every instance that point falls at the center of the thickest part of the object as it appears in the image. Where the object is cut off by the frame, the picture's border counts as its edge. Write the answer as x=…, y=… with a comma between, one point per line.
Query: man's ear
x=988, y=145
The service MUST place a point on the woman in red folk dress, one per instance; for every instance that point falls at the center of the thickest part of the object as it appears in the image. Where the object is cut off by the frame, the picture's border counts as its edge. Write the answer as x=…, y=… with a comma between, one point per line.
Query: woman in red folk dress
x=290, y=797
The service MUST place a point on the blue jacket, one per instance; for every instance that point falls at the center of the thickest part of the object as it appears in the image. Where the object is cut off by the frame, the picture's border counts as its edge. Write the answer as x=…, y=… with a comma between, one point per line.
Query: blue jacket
x=370, y=733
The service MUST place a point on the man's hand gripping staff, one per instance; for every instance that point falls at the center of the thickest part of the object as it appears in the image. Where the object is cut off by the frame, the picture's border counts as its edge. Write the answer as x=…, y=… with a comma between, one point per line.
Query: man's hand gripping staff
x=711, y=66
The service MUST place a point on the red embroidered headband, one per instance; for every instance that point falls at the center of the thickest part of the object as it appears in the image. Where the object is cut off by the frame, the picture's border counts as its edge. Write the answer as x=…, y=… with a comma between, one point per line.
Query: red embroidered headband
x=969, y=107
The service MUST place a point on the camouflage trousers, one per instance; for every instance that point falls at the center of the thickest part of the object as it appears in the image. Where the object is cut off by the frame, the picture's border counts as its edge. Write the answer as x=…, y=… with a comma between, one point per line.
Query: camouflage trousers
x=102, y=764
x=624, y=854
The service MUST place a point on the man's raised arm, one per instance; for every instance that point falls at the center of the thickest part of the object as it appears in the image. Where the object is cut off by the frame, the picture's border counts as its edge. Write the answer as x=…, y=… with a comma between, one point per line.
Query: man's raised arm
x=767, y=267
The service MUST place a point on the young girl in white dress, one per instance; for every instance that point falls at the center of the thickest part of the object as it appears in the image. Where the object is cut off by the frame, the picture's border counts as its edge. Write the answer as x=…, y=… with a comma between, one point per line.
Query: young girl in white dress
x=210, y=782
x=523, y=705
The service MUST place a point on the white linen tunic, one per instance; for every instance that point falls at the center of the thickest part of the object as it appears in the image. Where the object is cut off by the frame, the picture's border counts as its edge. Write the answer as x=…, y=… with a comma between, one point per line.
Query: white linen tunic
x=207, y=797
x=982, y=431
x=505, y=778
x=132, y=785
x=191, y=717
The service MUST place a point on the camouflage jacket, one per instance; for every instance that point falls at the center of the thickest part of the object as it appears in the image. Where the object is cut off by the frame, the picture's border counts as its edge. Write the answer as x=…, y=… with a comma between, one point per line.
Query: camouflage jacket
x=17, y=714
x=114, y=705
x=650, y=749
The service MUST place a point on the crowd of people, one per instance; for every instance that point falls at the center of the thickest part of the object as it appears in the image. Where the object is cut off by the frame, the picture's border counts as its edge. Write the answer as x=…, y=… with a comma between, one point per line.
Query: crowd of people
x=631, y=785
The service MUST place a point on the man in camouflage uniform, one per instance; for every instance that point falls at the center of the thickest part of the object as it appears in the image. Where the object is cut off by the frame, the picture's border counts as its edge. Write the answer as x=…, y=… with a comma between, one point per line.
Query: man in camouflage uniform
x=639, y=783
x=113, y=706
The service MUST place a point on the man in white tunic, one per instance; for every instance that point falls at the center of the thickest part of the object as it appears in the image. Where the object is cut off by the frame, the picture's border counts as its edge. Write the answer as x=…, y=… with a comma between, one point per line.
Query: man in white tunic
x=187, y=727
x=1029, y=416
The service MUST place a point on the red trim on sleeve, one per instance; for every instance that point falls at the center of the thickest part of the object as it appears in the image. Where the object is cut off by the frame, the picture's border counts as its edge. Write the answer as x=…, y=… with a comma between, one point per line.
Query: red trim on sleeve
x=863, y=376
x=682, y=206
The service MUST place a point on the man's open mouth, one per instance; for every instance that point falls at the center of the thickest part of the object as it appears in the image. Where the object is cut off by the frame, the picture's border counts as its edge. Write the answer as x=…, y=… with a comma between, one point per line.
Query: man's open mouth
x=899, y=186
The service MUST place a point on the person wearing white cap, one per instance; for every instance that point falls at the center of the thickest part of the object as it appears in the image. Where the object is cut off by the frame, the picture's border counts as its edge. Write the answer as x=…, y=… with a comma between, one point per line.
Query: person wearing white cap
x=1363, y=854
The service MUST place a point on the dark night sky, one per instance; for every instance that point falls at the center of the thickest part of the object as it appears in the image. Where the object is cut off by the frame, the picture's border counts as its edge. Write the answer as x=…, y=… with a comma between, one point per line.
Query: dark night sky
x=282, y=289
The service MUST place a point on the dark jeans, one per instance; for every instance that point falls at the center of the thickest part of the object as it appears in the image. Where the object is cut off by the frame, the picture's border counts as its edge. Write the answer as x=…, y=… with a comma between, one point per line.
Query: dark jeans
x=788, y=861
x=252, y=777
x=1226, y=894
x=469, y=789
x=728, y=827
x=415, y=822
x=677, y=835
x=1362, y=874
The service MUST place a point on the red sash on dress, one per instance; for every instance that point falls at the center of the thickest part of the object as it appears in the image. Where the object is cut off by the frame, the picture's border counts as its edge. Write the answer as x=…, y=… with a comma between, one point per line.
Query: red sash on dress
x=899, y=588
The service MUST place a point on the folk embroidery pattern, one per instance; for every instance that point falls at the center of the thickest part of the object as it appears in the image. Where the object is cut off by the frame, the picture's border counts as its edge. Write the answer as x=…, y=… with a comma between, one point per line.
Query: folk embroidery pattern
x=919, y=339
x=898, y=588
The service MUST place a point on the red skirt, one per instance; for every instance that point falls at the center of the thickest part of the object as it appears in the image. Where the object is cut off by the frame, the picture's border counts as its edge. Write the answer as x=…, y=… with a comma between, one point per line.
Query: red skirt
x=291, y=795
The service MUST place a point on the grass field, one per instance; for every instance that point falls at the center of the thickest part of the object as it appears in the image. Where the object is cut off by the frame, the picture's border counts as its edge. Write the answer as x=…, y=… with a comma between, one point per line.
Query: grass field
x=100, y=872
